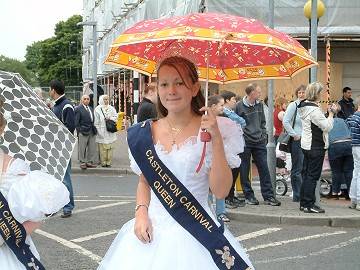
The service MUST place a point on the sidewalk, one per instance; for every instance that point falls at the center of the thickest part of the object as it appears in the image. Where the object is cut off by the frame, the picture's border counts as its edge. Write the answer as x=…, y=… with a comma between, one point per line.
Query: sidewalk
x=121, y=163
x=337, y=212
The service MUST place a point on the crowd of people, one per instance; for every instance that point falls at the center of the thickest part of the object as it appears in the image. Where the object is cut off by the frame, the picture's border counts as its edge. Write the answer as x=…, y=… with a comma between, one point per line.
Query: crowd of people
x=312, y=131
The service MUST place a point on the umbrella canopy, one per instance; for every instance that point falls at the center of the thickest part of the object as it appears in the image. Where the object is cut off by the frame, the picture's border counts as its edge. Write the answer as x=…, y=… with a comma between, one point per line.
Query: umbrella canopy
x=238, y=48
x=33, y=132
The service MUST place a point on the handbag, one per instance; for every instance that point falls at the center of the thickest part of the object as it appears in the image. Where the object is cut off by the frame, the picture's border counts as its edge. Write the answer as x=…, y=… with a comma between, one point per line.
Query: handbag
x=110, y=124
x=285, y=139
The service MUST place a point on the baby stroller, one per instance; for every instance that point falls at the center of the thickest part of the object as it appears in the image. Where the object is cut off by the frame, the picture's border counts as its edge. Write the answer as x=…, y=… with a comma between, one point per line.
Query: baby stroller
x=326, y=181
x=283, y=167
x=283, y=160
x=325, y=178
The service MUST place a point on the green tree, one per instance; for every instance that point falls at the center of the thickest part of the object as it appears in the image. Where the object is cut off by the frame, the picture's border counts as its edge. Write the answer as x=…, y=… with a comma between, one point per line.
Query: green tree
x=59, y=56
x=15, y=66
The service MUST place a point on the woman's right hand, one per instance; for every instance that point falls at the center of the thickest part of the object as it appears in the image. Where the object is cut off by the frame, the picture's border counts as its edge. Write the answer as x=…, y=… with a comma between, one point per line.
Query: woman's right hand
x=143, y=228
x=31, y=226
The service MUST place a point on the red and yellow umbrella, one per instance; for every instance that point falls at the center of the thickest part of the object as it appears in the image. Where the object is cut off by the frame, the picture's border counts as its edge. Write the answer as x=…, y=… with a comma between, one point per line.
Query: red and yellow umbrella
x=238, y=48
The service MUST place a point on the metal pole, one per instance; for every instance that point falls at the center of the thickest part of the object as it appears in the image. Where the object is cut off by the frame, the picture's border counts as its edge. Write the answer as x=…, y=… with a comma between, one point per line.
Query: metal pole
x=328, y=69
x=271, y=155
x=314, y=38
x=136, y=88
x=314, y=69
x=125, y=96
x=94, y=65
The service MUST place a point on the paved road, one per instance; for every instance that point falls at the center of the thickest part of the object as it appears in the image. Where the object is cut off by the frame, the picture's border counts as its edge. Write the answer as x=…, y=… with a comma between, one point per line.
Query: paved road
x=105, y=203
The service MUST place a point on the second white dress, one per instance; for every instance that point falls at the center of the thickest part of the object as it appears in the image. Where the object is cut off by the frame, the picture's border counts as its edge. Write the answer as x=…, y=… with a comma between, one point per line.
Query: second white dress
x=30, y=195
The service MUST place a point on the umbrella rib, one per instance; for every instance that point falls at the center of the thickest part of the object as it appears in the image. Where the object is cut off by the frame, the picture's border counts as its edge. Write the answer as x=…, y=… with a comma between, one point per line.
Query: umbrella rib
x=281, y=62
x=168, y=45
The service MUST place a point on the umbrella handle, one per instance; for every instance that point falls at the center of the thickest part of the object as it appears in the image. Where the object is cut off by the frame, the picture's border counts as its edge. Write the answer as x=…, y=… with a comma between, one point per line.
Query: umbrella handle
x=205, y=136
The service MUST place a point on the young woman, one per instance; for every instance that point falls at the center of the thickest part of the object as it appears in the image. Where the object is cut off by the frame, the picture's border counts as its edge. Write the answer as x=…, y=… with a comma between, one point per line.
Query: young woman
x=104, y=138
x=292, y=124
x=169, y=230
x=340, y=156
x=30, y=196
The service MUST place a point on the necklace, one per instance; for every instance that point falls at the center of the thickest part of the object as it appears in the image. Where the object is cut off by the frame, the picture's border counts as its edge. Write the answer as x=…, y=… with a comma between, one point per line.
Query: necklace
x=176, y=131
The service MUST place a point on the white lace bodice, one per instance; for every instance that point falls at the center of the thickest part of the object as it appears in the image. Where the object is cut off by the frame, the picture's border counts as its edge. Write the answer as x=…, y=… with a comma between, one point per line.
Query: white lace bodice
x=183, y=160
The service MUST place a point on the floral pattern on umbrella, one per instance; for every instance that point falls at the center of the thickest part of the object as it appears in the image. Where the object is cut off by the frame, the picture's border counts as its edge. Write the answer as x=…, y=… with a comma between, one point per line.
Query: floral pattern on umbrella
x=238, y=48
x=33, y=133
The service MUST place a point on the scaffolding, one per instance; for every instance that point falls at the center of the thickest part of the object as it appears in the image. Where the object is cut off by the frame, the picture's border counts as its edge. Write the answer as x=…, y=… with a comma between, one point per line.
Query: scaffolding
x=115, y=16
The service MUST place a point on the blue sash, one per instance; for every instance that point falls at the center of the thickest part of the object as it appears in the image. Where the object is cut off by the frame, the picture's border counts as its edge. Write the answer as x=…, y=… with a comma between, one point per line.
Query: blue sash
x=179, y=201
x=14, y=236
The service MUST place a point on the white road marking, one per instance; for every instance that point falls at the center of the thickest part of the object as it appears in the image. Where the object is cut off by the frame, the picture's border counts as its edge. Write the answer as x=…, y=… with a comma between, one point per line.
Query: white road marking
x=283, y=259
x=70, y=245
x=97, y=200
x=99, y=207
x=102, y=176
x=340, y=245
x=116, y=196
x=257, y=233
x=280, y=243
x=325, y=250
x=94, y=236
x=81, y=196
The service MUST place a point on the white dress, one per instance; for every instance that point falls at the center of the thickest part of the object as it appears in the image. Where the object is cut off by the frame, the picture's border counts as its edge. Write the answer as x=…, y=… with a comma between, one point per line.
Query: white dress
x=173, y=247
x=30, y=196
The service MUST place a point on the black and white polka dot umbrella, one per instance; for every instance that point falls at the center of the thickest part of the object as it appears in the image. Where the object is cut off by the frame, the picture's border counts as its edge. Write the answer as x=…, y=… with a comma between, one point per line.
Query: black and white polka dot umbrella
x=33, y=132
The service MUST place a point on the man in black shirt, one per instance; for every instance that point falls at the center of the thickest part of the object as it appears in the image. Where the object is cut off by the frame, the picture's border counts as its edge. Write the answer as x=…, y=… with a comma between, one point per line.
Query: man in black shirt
x=346, y=104
x=147, y=107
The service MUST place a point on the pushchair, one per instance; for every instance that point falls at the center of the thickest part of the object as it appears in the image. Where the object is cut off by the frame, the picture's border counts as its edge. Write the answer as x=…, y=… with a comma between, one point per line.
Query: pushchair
x=325, y=180
x=283, y=167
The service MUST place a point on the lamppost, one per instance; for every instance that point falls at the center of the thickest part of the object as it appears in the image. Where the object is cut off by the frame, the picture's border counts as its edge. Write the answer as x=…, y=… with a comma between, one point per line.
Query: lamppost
x=313, y=10
x=69, y=57
x=93, y=24
x=70, y=46
x=271, y=154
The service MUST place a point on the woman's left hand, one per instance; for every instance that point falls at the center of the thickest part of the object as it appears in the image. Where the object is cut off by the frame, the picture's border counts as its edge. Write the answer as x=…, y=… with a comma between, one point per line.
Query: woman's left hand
x=209, y=122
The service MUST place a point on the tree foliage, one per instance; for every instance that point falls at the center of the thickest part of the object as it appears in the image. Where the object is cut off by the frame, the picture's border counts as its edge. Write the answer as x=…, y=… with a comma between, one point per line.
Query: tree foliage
x=59, y=56
x=16, y=66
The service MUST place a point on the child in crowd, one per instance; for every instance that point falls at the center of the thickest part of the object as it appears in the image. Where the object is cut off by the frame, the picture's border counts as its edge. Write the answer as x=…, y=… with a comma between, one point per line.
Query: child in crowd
x=230, y=100
x=216, y=103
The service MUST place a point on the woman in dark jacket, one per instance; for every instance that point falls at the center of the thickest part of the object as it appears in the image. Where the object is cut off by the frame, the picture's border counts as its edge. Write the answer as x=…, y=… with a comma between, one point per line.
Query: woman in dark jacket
x=340, y=156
